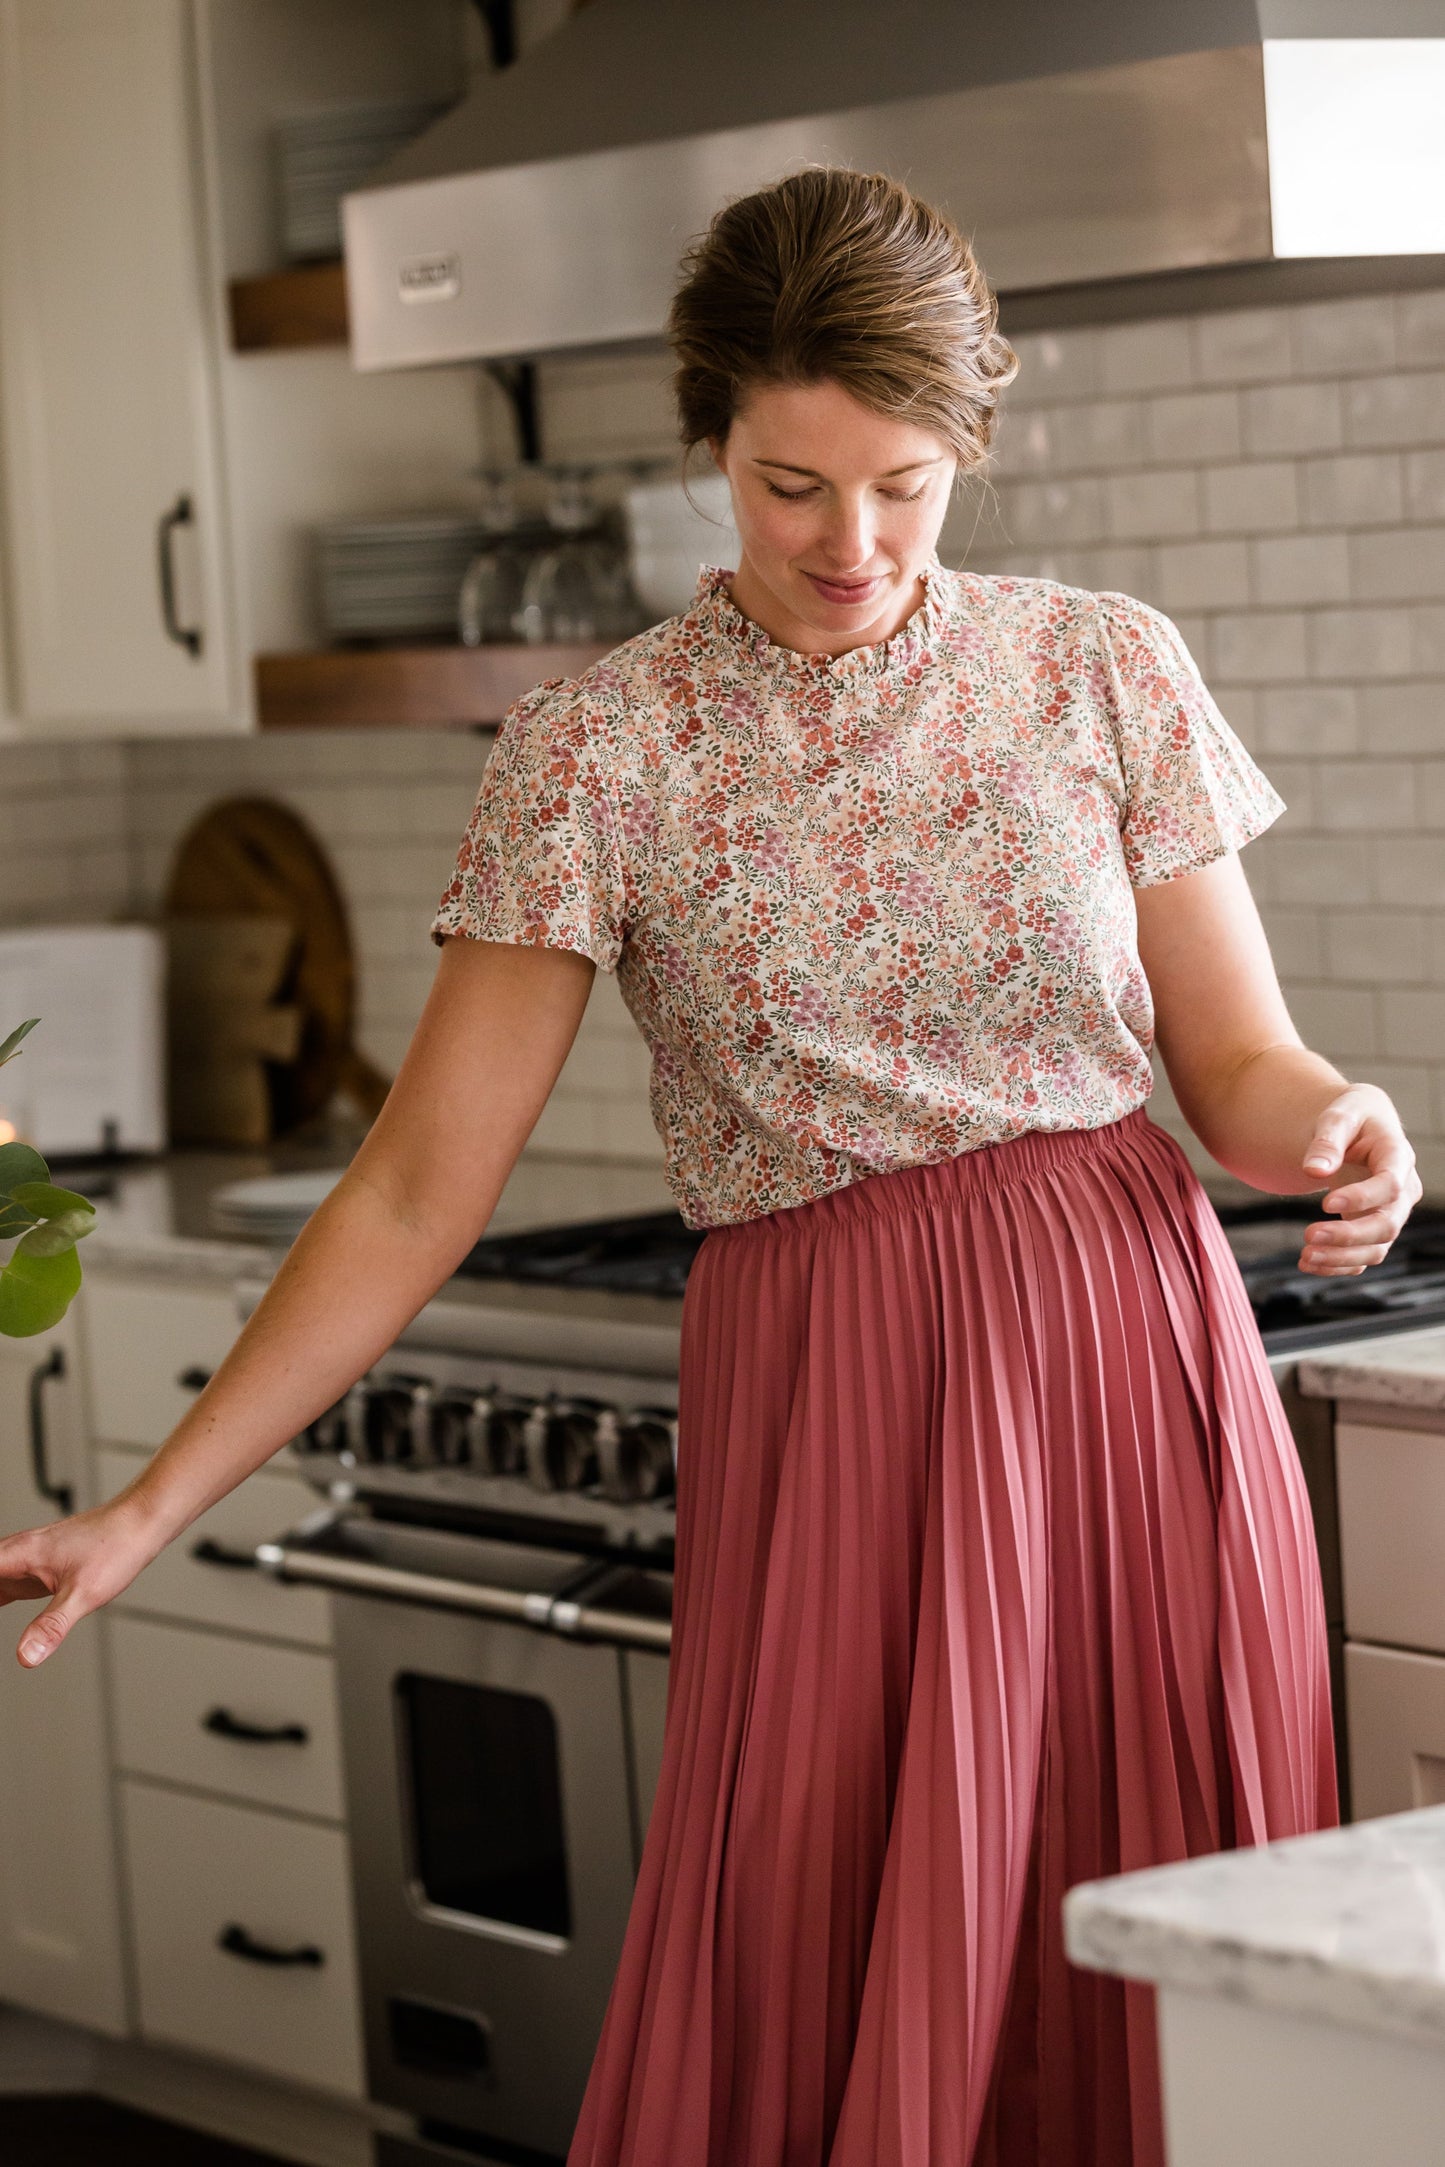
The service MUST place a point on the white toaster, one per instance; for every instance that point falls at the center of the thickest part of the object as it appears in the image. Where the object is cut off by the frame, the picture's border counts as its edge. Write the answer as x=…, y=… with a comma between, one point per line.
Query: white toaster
x=91, y=1075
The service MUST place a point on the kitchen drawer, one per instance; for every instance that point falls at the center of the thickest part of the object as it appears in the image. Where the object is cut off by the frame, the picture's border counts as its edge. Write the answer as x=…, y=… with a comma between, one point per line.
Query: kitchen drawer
x=142, y=1338
x=198, y=1867
x=1392, y=1534
x=1395, y=1712
x=205, y=1591
x=168, y=1680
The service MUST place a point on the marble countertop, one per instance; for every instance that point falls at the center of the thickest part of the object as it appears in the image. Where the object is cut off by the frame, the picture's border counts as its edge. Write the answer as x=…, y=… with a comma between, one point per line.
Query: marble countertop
x=155, y=1215
x=1346, y=1924
x=1405, y=1370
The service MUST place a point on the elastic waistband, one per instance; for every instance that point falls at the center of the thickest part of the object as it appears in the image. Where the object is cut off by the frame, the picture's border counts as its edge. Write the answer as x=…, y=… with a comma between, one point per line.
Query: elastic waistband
x=968, y=1173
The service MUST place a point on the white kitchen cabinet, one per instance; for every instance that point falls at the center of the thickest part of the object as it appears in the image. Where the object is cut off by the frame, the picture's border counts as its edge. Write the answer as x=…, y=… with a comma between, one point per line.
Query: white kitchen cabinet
x=60, y=1923
x=245, y=1941
x=107, y=380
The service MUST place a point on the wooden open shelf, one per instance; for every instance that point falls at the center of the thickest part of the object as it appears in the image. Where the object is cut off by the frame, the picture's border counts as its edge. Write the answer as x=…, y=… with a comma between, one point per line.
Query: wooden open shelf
x=301, y=307
x=405, y=688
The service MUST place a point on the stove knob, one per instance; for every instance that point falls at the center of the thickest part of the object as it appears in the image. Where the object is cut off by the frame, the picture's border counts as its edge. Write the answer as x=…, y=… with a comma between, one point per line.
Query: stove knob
x=398, y=1427
x=500, y=1448
x=637, y=1451
x=561, y=1442
x=458, y=1428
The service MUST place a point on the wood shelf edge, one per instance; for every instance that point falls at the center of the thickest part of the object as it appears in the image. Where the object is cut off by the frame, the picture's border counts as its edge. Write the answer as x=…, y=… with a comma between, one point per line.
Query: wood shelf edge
x=408, y=688
x=303, y=306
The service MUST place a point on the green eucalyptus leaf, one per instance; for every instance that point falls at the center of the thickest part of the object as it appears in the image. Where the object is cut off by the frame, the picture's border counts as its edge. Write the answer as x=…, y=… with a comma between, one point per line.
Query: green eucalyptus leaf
x=11, y=1046
x=14, y=1220
x=43, y=1200
x=18, y=1163
x=56, y=1235
x=35, y=1292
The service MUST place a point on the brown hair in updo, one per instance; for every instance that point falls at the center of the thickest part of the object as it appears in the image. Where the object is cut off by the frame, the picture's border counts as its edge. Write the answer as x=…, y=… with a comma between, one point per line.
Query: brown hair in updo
x=832, y=274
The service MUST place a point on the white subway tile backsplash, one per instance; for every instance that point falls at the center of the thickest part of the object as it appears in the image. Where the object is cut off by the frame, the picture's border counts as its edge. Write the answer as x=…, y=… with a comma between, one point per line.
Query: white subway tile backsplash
x=1388, y=411
x=1054, y=365
x=1157, y=504
x=1296, y=941
x=1360, y=490
x=1343, y=338
x=1097, y=437
x=1204, y=575
x=1297, y=417
x=1356, y=795
x=1258, y=497
x=1243, y=346
x=1362, y=643
x=1412, y=1022
x=1398, y=564
x=1420, y=328
x=1299, y=568
x=1155, y=355
x=1194, y=425
x=1427, y=639
x=1053, y=512
x=1308, y=719
x=1406, y=717
x=1410, y=870
x=1425, y=485
x=1431, y=778
x=1338, y=1021
x=1316, y=870
x=1264, y=647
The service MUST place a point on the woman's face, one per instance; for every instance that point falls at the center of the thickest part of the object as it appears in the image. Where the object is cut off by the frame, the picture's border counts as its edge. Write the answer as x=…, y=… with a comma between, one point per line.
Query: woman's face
x=838, y=510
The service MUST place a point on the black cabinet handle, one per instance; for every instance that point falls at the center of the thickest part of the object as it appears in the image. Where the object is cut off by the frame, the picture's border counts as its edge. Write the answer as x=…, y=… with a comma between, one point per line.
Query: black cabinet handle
x=194, y=1380
x=209, y=1552
x=59, y=1493
x=179, y=515
x=237, y=1942
x=225, y=1725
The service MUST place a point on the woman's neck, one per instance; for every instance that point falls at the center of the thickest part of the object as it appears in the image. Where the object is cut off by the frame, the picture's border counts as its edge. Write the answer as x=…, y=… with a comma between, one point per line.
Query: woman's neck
x=786, y=627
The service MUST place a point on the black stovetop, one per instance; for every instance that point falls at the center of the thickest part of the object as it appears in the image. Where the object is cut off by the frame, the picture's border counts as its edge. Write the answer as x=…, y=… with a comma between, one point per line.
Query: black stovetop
x=653, y=1252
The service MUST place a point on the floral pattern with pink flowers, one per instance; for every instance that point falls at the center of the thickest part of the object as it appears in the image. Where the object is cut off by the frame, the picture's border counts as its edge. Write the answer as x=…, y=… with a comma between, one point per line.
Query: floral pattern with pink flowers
x=873, y=910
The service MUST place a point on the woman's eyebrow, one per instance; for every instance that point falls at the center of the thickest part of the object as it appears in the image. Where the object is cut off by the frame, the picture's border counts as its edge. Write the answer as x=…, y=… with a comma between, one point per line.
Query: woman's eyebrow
x=813, y=474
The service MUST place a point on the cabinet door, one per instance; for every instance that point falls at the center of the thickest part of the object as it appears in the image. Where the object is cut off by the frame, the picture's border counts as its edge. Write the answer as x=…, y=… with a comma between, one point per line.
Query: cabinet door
x=106, y=378
x=60, y=1939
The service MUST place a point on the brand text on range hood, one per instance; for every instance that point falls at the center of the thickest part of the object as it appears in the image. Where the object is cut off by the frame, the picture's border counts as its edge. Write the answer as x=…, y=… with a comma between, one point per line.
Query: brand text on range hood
x=1075, y=140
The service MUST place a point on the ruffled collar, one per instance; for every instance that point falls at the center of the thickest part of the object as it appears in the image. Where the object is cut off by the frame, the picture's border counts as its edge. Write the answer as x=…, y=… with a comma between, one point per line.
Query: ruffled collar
x=916, y=640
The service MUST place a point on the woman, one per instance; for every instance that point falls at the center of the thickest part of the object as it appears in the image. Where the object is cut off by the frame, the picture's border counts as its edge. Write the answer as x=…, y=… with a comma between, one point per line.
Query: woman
x=995, y=1568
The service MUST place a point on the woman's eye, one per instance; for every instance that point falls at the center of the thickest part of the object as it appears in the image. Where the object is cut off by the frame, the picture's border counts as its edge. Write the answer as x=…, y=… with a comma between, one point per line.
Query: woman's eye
x=911, y=497
x=790, y=496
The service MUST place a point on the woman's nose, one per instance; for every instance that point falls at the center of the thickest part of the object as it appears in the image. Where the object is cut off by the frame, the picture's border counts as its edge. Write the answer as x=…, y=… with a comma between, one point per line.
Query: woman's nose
x=848, y=540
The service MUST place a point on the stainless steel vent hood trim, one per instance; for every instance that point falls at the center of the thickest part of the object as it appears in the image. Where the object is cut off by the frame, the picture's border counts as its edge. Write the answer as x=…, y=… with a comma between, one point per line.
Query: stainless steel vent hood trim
x=1077, y=143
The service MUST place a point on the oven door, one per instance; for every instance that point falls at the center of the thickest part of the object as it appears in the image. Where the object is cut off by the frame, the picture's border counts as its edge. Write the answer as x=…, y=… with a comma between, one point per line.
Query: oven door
x=494, y=1809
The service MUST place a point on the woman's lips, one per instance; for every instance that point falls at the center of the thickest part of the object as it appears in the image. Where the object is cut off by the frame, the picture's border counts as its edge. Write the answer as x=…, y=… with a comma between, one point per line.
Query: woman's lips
x=845, y=590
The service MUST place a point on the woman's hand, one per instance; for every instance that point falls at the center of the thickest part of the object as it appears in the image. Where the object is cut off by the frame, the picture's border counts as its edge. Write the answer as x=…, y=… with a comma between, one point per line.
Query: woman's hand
x=1359, y=1129
x=80, y=1563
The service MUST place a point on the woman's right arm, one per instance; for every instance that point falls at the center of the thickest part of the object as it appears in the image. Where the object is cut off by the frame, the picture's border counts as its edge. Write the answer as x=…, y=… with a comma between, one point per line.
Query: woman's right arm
x=497, y=1027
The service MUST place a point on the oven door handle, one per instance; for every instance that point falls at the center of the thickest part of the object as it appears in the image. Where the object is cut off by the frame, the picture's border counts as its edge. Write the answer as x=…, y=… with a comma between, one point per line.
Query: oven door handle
x=550, y=1613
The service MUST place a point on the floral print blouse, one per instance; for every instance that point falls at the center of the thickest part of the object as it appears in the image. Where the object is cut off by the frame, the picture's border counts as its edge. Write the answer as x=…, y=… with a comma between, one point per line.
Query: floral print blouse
x=872, y=910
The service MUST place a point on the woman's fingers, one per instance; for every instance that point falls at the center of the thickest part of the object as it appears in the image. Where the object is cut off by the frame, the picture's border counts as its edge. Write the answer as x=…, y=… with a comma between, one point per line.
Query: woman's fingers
x=1360, y=1127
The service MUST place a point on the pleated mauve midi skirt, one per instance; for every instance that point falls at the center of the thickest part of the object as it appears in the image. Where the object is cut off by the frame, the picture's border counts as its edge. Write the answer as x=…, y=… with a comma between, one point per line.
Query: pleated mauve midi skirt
x=995, y=1573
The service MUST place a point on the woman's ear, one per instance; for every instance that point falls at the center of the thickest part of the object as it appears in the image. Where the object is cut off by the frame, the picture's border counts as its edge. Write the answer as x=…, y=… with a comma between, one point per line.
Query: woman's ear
x=717, y=448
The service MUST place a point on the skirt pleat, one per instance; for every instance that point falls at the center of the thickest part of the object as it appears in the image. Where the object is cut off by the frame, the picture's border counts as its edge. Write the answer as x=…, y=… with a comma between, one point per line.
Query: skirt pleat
x=995, y=1573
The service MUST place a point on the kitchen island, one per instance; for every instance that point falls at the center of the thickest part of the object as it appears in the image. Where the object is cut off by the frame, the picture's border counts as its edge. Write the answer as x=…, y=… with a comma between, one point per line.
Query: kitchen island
x=1300, y=1993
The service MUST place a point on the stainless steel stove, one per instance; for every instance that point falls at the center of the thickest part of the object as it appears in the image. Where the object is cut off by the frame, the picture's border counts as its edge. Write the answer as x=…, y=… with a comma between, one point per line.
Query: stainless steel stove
x=497, y=1533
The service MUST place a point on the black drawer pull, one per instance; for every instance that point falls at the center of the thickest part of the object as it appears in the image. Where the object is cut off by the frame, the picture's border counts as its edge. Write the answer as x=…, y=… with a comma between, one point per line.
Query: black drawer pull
x=225, y=1725
x=181, y=514
x=209, y=1552
x=194, y=1380
x=237, y=1942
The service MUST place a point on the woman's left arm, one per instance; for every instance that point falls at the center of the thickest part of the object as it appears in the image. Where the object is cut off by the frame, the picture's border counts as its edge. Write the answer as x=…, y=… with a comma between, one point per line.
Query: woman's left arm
x=1268, y=1109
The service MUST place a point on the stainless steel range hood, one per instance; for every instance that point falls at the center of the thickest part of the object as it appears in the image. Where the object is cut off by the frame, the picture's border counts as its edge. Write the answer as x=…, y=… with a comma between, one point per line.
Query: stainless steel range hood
x=1075, y=140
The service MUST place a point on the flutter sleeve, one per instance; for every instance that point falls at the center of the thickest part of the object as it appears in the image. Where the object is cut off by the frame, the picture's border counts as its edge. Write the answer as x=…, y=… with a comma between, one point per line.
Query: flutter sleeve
x=1191, y=790
x=540, y=863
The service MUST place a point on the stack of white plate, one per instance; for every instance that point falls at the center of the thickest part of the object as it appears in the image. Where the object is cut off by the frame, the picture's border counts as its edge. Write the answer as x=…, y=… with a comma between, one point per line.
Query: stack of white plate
x=319, y=156
x=394, y=578
x=273, y=1207
x=673, y=533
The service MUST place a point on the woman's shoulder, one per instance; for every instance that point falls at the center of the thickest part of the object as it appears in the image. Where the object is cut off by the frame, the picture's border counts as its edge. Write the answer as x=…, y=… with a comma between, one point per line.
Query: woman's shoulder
x=1059, y=619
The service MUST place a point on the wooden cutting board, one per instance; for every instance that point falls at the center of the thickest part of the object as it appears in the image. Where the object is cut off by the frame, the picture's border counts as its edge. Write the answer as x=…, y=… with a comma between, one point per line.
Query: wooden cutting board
x=253, y=856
